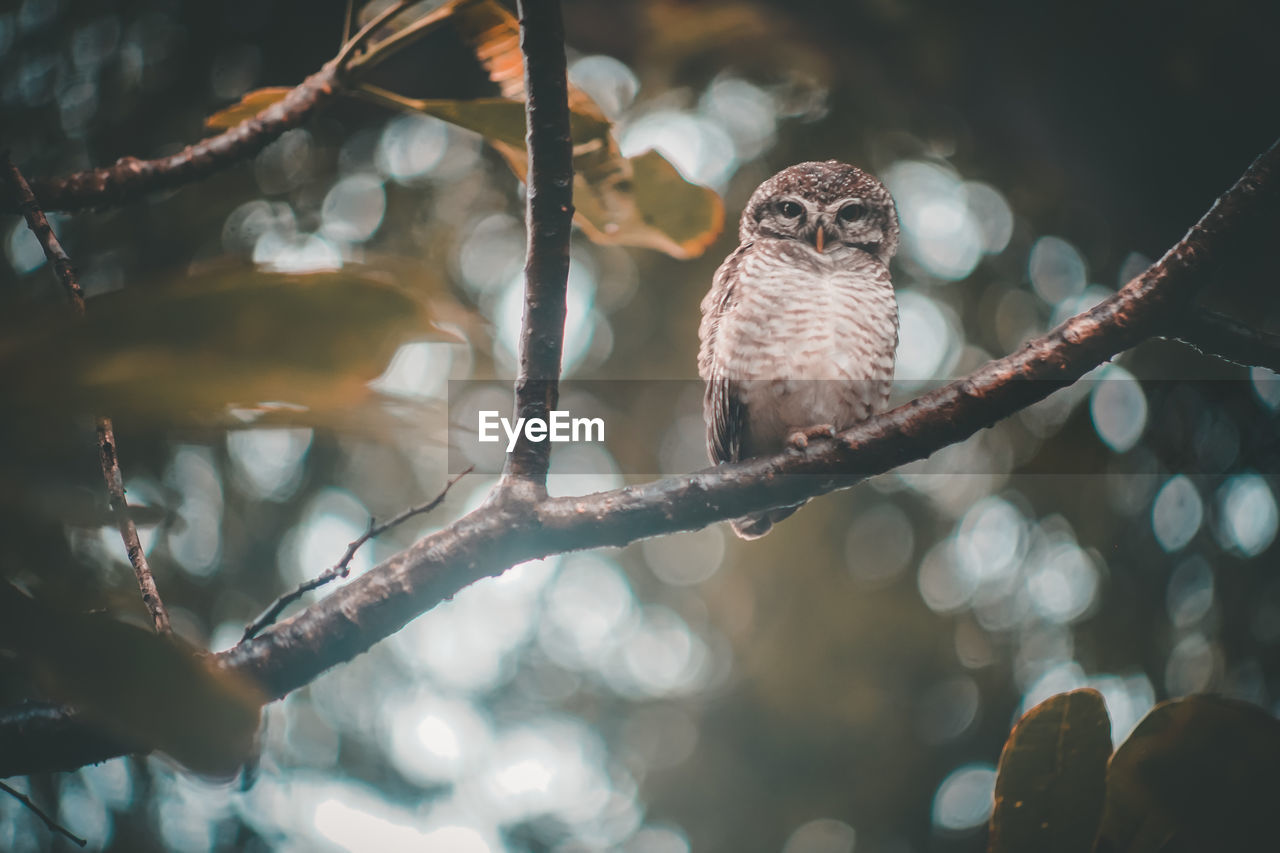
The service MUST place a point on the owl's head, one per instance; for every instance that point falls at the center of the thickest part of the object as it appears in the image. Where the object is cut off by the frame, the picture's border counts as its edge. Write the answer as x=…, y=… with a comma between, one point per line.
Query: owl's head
x=832, y=206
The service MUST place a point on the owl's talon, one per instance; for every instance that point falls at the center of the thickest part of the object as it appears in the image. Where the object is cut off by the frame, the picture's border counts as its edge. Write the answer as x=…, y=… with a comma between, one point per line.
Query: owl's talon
x=799, y=440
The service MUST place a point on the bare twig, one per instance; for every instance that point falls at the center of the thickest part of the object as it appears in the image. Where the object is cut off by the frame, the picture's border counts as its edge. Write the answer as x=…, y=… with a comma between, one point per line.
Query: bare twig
x=342, y=568
x=402, y=38
x=53, y=825
x=107, y=454
x=1225, y=337
x=347, y=19
x=548, y=220
x=366, y=32
x=39, y=225
x=131, y=178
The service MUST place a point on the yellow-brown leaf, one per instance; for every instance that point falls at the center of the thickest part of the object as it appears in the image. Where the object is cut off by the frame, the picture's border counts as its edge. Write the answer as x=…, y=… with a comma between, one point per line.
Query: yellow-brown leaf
x=247, y=107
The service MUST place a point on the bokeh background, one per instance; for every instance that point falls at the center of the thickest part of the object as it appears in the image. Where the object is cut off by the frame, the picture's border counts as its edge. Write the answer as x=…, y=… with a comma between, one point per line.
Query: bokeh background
x=846, y=683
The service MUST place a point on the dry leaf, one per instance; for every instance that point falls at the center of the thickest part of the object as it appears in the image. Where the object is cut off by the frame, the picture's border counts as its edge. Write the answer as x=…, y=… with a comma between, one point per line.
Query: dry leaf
x=248, y=106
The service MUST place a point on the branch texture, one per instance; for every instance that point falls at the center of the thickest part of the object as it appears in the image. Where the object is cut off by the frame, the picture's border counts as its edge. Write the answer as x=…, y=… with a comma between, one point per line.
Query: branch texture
x=548, y=220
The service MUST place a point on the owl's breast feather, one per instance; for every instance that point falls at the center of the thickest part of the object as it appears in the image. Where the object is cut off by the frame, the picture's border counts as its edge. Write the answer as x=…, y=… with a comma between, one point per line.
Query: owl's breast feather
x=812, y=321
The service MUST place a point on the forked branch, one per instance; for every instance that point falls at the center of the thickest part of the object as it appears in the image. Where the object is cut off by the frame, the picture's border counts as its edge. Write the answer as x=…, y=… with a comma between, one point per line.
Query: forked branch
x=503, y=533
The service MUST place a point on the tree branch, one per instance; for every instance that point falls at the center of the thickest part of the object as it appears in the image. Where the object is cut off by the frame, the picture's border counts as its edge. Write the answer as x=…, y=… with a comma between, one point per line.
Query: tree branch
x=1225, y=337
x=107, y=454
x=53, y=825
x=500, y=534
x=548, y=220
x=341, y=568
x=39, y=224
x=131, y=178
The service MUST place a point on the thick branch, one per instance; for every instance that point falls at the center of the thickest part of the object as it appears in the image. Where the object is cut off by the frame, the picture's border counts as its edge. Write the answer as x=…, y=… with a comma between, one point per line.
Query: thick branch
x=131, y=178
x=1225, y=337
x=548, y=219
x=501, y=534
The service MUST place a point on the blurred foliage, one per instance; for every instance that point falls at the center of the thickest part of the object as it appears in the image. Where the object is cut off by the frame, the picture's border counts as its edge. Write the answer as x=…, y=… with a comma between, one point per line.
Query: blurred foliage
x=846, y=683
x=227, y=335
x=1196, y=774
x=1051, y=779
x=136, y=685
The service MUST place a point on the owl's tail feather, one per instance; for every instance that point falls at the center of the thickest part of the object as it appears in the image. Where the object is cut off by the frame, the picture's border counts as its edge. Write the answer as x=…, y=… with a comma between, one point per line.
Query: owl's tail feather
x=758, y=524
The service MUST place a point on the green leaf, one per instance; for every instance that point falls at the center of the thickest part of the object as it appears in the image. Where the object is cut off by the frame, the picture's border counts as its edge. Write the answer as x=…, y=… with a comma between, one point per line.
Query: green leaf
x=1200, y=773
x=145, y=689
x=1052, y=777
x=225, y=337
x=247, y=107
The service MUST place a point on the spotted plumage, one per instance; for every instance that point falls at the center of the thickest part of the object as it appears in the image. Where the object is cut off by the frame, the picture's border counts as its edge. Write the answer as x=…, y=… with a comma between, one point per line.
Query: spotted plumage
x=800, y=325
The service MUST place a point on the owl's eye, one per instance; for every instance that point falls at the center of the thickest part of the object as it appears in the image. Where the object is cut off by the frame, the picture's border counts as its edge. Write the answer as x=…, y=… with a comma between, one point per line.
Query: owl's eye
x=851, y=213
x=790, y=209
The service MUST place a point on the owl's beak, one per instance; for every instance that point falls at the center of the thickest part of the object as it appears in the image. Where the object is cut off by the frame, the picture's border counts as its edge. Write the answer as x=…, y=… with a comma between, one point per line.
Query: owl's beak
x=818, y=239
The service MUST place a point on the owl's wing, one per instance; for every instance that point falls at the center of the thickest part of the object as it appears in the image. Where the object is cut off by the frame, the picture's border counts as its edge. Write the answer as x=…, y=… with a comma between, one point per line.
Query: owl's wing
x=726, y=418
x=722, y=409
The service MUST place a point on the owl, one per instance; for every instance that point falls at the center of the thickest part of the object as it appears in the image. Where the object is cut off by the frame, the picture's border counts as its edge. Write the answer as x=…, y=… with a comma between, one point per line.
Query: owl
x=800, y=326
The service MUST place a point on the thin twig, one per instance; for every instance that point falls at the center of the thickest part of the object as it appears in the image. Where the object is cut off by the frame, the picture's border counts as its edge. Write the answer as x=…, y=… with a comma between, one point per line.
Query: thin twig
x=342, y=568
x=131, y=178
x=107, y=454
x=347, y=19
x=548, y=221
x=402, y=38
x=39, y=225
x=367, y=31
x=1227, y=338
x=53, y=825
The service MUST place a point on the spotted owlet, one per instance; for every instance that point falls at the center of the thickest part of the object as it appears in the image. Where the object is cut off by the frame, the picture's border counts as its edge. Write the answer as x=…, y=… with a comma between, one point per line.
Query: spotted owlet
x=800, y=326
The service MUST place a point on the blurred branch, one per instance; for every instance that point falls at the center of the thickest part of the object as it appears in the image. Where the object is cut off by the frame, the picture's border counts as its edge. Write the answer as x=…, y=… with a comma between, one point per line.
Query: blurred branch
x=343, y=567
x=501, y=534
x=62, y=267
x=548, y=220
x=39, y=225
x=53, y=825
x=366, y=32
x=110, y=459
x=131, y=178
x=347, y=20
x=1226, y=337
